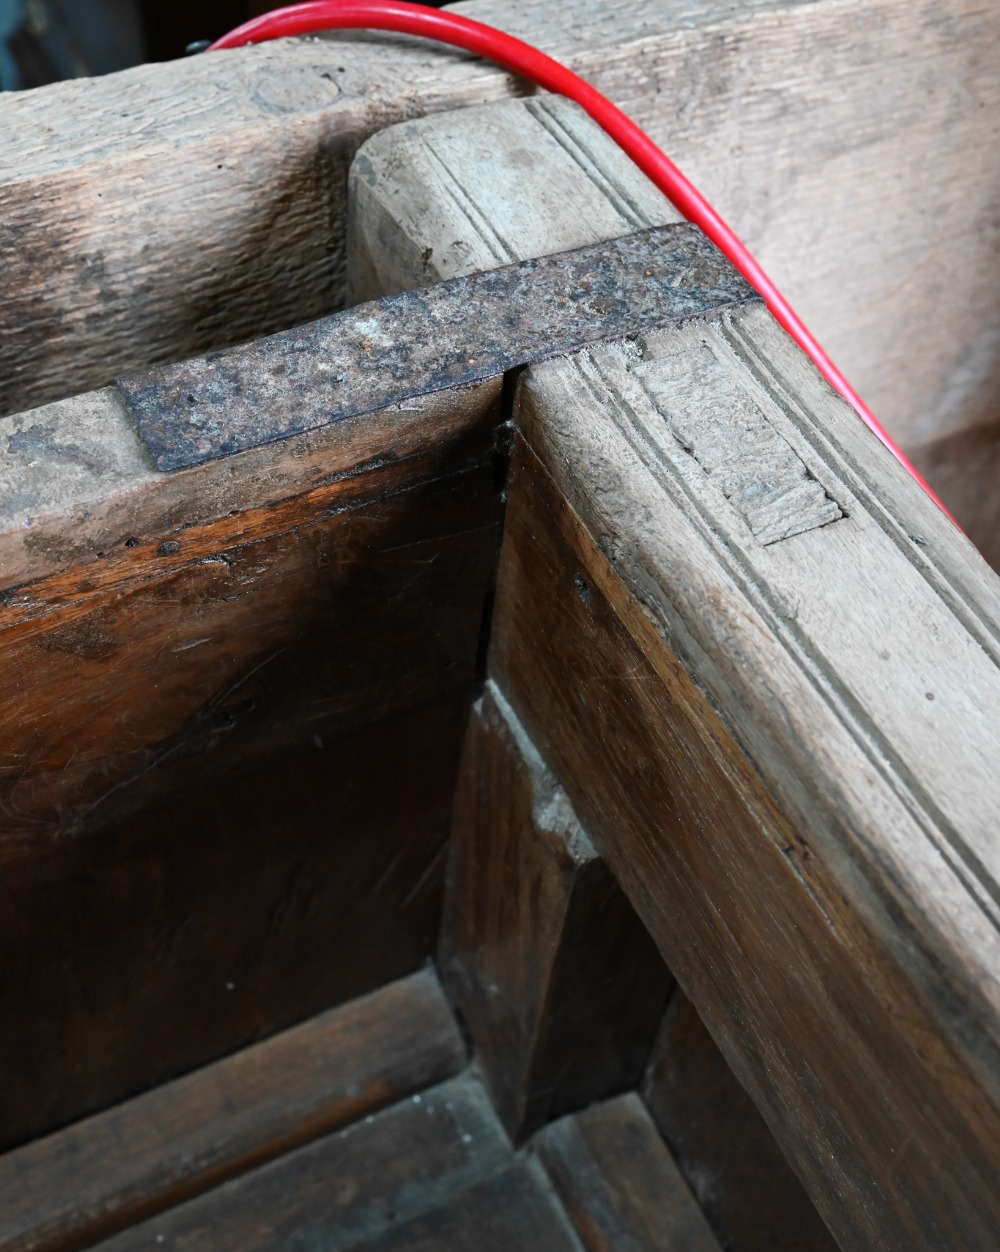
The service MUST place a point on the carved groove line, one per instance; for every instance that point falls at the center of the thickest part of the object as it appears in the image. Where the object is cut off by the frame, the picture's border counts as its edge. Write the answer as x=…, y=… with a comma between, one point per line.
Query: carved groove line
x=981, y=627
x=825, y=681
x=555, y=127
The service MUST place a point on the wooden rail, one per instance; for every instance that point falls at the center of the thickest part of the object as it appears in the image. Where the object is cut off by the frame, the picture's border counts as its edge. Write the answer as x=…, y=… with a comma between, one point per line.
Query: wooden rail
x=765, y=669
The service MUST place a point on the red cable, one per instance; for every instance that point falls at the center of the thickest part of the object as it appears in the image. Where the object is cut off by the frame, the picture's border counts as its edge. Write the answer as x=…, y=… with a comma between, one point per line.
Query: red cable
x=528, y=62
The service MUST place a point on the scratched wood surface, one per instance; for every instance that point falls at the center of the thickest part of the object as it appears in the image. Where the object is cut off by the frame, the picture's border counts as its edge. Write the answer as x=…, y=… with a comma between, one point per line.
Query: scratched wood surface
x=558, y=983
x=152, y=1153
x=209, y=677
x=158, y=212
x=765, y=670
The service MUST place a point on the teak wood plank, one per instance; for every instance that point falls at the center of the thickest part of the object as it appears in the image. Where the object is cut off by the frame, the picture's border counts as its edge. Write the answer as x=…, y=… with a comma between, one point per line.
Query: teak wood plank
x=618, y=1183
x=557, y=981
x=159, y=1149
x=173, y=208
x=725, y=1151
x=348, y=1189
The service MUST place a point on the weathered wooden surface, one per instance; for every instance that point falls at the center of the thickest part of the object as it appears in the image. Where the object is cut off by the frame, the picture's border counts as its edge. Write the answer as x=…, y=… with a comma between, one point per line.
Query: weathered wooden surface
x=759, y=799
x=619, y=1184
x=477, y=188
x=965, y=470
x=748, y=629
x=153, y=1152
x=558, y=983
x=507, y=1213
x=306, y=617
x=174, y=207
x=435, y=1171
x=729, y=1158
x=208, y=678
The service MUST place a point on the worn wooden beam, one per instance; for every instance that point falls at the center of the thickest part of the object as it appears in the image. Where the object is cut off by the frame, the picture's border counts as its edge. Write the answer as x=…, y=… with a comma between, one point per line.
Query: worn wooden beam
x=172, y=208
x=765, y=669
x=153, y=1152
x=787, y=767
x=723, y=1148
x=558, y=983
x=208, y=676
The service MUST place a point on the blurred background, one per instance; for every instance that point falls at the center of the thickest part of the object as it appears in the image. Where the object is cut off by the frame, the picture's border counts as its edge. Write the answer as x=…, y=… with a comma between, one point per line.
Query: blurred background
x=42, y=41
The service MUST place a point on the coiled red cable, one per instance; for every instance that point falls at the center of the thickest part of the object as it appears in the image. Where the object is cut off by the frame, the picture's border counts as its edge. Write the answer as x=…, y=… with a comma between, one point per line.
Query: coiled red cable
x=528, y=62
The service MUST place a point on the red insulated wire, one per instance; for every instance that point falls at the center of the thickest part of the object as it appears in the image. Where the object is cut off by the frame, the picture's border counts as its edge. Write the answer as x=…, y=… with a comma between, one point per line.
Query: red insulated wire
x=528, y=62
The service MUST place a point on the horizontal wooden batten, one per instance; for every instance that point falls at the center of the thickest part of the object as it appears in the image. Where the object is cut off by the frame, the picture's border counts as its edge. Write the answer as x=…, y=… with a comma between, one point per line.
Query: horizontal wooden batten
x=103, y=1174
x=620, y=1186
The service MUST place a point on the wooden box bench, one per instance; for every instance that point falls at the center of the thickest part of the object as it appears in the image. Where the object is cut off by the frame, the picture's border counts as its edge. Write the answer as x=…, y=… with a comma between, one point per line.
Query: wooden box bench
x=639, y=689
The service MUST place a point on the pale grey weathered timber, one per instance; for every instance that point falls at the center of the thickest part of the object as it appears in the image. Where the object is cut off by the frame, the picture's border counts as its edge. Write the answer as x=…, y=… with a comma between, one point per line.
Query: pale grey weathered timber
x=778, y=723
x=159, y=212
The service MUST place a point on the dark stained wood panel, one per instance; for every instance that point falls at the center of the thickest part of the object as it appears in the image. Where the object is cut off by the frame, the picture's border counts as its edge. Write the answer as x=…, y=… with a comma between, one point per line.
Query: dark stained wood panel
x=347, y=1189
x=557, y=981
x=153, y=1152
x=619, y=1185
x=723, y=1147
x=133, y=954
x=228, y=756
x=197, y=650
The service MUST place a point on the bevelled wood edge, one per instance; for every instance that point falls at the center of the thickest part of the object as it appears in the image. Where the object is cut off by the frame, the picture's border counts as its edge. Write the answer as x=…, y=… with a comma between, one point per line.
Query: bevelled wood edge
x=556, y=979
x=77, y=486
x=159, y=1149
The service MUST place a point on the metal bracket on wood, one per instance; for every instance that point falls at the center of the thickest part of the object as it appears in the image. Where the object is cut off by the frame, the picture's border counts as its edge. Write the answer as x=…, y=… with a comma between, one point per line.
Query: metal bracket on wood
x=458, y=332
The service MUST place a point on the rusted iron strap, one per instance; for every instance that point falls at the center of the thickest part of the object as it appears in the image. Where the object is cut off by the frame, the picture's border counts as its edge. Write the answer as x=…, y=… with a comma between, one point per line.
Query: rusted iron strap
x=457, y=332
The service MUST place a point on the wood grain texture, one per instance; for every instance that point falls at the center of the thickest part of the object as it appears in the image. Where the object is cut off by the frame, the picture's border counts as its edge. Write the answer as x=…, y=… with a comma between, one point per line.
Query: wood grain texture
x=153, y=1152
x=557, y=982
x=736, y=1171
x=841, y=981
x=481, y=187
x=257, y=632
x=620, y=1186
x=77, y=484
x=173, y=208
x=353, y=1189
x=783, y=732
x=224, y=913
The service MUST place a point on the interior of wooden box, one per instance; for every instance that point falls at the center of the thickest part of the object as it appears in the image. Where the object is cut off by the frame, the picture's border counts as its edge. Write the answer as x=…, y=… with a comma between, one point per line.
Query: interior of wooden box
x=239, y=810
